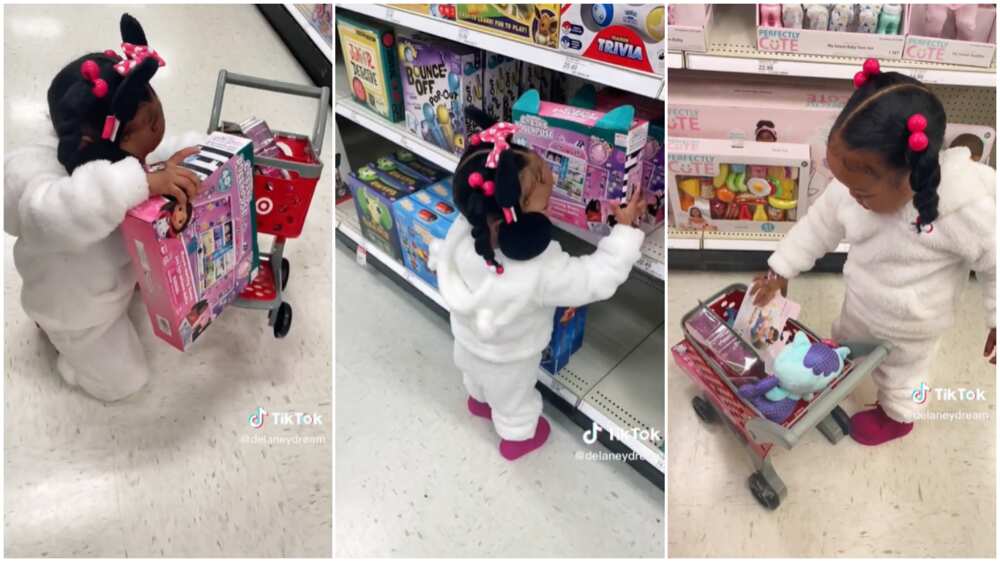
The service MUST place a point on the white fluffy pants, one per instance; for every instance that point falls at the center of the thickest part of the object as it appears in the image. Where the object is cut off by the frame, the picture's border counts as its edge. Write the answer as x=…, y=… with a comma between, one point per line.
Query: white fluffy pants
x=902, y=371
x=107, y=361
x=509, y=389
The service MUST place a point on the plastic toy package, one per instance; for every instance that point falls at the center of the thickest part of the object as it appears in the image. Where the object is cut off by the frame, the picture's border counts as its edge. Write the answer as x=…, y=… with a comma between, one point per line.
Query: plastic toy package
x=370, y=57
x=567, y=338
x=440, y=79
x=192, y=262
x=628, y=35
x=531, y=23
x=715, y=335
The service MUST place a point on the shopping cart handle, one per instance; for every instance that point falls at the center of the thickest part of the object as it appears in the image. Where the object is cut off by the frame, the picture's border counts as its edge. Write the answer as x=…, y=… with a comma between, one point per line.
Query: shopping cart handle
x=323, y=94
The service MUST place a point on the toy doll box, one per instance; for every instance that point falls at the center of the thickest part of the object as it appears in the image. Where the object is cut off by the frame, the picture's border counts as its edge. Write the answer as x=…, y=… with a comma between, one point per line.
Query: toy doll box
x=370, y=57
x=688, y=27
x=420, y=222
x=531, y=23
x=567, y=338
x=629, y=35
x=595, y=156
x=979, y=52
x=831, y=43
x=193, y=262
x=749, y=187
x=440, y=79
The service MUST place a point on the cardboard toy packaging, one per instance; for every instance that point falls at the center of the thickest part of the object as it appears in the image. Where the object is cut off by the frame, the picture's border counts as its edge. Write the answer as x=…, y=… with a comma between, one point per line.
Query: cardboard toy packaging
x=421, y=221
x=192, y=262
x=441, y=11
x=689, y=26
x=940, y=43
x=369, y=49
x=392, y=173
x=567, y=338
x=500, y=85
x=443, y=190
x=736, y=187
x=628, y=35
x=530, y=23
x=375, y=201
x=440, y=79
x=594, y=155
x=416, y=166
x=848, y=40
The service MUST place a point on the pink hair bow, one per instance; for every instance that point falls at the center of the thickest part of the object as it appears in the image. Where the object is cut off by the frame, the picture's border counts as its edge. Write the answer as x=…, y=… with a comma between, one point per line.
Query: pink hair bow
x=497, y=134
x=134, y=55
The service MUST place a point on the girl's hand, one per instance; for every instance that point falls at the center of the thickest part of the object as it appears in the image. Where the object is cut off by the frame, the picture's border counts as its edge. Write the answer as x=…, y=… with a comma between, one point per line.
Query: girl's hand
x=174, y=181
x=990, y=351
x=767, y=285
x=630, y=213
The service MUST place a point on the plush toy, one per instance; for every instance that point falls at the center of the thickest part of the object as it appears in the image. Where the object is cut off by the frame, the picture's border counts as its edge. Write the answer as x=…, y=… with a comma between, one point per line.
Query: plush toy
x=817, y=16
x=841, y=17
x=770, y=15
x=888, y=20
x=791, y=16
x=868, y=17
x=800, y=371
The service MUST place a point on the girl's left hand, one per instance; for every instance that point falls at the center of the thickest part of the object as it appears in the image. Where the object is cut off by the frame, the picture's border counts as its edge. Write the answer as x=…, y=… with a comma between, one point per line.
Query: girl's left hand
x=990, y=352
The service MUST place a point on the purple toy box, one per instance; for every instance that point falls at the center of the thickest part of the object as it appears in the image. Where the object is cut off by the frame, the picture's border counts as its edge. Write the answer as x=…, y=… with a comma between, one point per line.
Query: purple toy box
x=193, y=262
x=594, y=155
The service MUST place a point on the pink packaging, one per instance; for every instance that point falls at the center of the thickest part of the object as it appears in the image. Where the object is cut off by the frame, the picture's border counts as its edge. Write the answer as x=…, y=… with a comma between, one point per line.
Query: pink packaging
x=831, y=43
x=977, y=51
x=595, y=156
x=189, y=271
x=734, y=186
x=688, y=27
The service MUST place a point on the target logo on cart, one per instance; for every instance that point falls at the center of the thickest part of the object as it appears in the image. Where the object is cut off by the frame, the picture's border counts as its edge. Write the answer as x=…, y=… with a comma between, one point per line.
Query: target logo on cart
x=264, y=206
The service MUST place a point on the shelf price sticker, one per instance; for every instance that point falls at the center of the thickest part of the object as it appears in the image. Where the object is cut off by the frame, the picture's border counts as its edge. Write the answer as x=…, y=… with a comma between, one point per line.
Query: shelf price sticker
x=576, y=67
x=390, y=15
x=362, y=255
x=464, y=37
x=765, y=66
x=917, y=73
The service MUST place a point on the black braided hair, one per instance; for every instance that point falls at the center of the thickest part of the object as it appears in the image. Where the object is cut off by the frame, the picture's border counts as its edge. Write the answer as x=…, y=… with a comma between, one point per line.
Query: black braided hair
x=522, y=240
x=875, y=118
x=78, y=114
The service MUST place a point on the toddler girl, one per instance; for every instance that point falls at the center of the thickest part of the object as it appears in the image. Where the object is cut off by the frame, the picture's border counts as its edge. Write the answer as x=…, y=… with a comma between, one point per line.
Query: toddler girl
x=64, y=201
x=502, y=277
x=917, y=220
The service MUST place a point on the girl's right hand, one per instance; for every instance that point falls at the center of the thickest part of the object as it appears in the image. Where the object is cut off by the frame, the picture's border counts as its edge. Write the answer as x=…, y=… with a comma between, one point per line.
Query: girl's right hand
x=175, y=181
x=765, y=286
x=630, y=213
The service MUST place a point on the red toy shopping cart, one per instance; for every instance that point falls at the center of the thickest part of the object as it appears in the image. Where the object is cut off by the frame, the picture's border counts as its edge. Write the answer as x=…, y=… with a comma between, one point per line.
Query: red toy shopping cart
x=719, y=399
x=281, y=202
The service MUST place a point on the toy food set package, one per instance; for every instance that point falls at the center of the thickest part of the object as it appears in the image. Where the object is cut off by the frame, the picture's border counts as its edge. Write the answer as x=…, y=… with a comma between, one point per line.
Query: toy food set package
x=531, y=23
x=567, y=338
x=441, y=11
x=951, y=33
x=422, y=218
x=841, y=30
x=764, y=327
x=629, y=35
x=753, y=187
x=594, y=155
x=500, y=85
x=375, y=195
x=440, y=79
x=688, y=27
x=534, y=77
x=192, y=262
x=369, y=49
x=416, y=166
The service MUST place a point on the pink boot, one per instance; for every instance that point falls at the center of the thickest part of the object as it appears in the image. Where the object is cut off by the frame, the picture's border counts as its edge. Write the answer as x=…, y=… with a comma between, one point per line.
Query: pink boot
x=513, y=450
x=481, y=409
x=873, y=427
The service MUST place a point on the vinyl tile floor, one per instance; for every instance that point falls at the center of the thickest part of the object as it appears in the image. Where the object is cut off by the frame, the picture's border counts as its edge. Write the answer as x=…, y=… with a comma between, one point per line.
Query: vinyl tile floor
x=176, y=470
x=930, y=494
x=418, y=476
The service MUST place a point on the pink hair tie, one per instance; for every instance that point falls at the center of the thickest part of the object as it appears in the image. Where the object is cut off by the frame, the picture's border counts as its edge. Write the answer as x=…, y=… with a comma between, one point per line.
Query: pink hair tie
x=868, y=69
x=475, y=180
x=918, y=140
x=489, y=188
x=92, y=73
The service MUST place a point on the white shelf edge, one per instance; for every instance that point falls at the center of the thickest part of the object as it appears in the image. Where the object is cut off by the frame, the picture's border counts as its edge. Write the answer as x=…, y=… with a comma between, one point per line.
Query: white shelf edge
x=327, y=50
x=675, y=59
x=648, y=454
x=738, y=244
x=674, y=243
x=642, y=83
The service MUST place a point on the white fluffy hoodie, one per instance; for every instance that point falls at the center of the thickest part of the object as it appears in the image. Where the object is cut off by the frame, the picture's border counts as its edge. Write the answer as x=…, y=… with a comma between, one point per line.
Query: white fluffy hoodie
x=69, y=250
x=906, y=284
x=506, y=318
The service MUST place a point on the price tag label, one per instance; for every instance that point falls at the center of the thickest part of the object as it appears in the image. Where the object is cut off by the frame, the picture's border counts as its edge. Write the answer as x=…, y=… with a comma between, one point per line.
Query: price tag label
x=765, y=66
x=918, y=73
x=390, y=15
x=466, y=38
x=575, y=67
x=362, y=256
x=405, y=142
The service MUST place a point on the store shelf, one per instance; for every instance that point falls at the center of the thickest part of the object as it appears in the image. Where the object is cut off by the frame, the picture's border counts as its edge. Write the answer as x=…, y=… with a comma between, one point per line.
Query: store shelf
x=616, y=344
x=653, y=256
x=678, y=239
x=649, y=85
x=733, y=48
x=675, y=60
x=314, y=35
x=739, y=241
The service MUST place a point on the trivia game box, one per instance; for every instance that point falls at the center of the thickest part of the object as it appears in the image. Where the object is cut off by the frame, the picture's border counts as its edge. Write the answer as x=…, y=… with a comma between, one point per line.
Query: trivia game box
x=370, y=57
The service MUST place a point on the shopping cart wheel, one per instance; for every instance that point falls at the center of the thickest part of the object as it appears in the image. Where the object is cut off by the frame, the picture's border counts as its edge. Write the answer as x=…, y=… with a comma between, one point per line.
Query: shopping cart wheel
x=763, y=491
x=283, y=320
x=842, y=419
x=286, y=268
x=704, y=409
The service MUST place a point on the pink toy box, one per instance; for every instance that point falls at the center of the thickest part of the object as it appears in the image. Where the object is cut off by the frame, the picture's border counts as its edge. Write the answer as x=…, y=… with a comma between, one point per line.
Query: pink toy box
x=933, y=35
x=193, y=262
x=736, y=187
x=688, y=27
x=594, y=155
x=629, y=35
x=849, y=43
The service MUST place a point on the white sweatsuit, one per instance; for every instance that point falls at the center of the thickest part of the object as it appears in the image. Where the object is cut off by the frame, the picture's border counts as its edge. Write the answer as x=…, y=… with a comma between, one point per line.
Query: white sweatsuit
x=903, y=287
x=76, y=272
x=502, y=323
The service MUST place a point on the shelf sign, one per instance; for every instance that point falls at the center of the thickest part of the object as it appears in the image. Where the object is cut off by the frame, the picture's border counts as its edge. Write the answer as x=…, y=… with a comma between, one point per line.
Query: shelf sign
x=575, y=67
x=362, y=255
x=765, y=66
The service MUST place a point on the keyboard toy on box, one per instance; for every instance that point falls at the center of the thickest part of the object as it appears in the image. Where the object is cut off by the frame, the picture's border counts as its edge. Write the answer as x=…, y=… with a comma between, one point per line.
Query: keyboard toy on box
x=193, y=261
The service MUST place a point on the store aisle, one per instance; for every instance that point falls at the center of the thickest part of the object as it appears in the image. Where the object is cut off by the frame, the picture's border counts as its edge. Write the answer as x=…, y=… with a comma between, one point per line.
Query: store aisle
x=167, y=472
x=928, y=495
x=418, y=476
